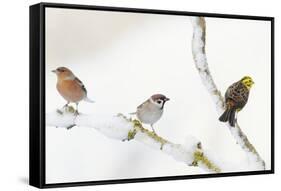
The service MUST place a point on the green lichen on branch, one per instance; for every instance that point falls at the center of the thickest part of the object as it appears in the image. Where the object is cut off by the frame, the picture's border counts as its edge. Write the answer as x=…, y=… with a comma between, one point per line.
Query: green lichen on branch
x=199, y=37
x=198, y=154
x=131, y=134
x=199, y=157
x=138, y=127
x=133, y=127
x=67, y=110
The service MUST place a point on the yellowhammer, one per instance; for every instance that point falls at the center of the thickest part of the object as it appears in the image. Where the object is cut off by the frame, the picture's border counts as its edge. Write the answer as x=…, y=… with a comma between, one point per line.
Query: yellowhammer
x=236, y=97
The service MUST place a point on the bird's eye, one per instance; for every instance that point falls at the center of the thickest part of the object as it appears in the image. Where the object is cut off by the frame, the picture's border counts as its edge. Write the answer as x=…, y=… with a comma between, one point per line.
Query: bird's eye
x=159, y=101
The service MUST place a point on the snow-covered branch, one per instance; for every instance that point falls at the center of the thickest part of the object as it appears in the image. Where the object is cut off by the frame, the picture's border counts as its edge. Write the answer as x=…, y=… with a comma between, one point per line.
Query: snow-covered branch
x=122, y=128
x=199, y=55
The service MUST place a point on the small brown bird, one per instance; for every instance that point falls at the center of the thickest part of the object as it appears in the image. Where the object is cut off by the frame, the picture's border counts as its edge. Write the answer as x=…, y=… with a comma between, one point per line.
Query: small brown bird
x=236, y=98
x=150, y=111
x=70, y=87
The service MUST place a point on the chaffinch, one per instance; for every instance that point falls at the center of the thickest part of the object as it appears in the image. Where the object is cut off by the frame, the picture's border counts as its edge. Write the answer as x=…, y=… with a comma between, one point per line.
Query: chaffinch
x=70, y=87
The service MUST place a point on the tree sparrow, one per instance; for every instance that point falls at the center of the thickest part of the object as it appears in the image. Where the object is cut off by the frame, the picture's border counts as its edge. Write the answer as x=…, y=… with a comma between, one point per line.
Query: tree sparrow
x=70, y=87
x=150, y=111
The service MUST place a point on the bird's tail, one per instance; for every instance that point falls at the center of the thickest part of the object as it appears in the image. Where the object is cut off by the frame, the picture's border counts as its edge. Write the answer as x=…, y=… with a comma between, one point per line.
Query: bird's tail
x=133, y=113
x=88, y=100
x=228, y=115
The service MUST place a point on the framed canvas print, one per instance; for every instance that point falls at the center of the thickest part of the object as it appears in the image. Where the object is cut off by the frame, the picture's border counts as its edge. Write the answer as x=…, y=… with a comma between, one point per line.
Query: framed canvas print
x=121, y=95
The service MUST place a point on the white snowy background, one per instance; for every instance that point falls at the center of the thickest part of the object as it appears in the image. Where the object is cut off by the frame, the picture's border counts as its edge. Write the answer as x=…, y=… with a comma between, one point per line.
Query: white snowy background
x=124, y=58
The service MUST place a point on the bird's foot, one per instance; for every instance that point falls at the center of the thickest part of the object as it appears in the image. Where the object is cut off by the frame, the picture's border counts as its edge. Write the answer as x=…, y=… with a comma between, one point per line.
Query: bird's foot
x=161, y=147
x=65, y=107
x=76, y=113
x=154, y=132
x=69, y=127
x=59, y=112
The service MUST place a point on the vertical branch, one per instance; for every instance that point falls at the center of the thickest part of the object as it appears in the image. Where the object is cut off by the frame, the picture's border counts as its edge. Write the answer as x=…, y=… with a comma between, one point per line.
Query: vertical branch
x=200, y=59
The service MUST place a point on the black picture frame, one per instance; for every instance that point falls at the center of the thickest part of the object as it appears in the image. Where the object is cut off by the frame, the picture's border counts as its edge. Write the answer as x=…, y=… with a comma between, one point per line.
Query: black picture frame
x=37, y=94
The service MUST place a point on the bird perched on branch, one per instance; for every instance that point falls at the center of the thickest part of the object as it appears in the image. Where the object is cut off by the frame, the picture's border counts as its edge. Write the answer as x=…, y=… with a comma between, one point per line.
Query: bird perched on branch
x=70, y=87
x=150, y=111
x=236, y=98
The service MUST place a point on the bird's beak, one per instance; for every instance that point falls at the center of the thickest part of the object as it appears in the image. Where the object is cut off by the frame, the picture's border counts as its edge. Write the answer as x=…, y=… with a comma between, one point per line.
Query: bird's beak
x=55, y=71
x=167, y=99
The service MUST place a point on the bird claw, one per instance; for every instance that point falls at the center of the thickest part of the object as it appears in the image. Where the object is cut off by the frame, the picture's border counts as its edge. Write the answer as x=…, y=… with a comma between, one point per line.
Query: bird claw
x=59, y=112
x=76, y=113
x=69, y=127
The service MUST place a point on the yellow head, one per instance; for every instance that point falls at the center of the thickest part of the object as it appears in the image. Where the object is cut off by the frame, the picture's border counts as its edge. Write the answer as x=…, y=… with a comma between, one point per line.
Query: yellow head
x=247, y=81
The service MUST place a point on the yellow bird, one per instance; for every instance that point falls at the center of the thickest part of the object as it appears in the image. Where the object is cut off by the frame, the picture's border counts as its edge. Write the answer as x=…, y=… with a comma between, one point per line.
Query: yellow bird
x=236, y=97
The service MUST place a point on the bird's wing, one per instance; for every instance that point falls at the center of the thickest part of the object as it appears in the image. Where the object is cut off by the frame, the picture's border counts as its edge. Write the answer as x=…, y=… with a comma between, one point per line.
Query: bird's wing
x=244, y=93
x=231, y=90
x=81, y=84
x=238, y=93
x=141, y=105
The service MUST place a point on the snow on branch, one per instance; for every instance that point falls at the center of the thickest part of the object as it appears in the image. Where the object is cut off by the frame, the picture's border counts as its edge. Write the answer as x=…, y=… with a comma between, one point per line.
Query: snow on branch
x=125, y=129
x=200, y=59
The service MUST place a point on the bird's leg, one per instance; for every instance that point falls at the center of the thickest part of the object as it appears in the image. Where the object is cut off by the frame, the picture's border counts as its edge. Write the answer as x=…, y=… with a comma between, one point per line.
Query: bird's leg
x=76, y=112
x=66, y=105
x=63, y=108
x=235, y=118
x=69, y=127
x=153, y=129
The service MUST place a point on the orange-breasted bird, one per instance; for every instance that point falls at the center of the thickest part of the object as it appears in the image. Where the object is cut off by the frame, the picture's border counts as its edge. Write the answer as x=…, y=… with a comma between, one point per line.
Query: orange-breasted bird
x=70, y=87
x=236, y=97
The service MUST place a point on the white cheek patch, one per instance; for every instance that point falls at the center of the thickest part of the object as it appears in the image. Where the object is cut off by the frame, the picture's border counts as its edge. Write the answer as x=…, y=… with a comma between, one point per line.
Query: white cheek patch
x=159, y=105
